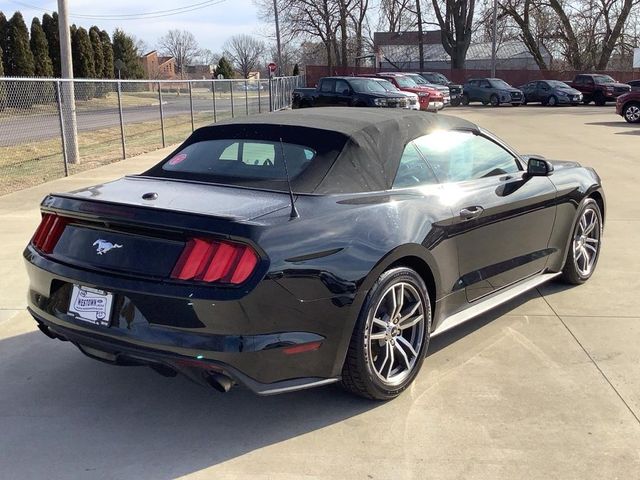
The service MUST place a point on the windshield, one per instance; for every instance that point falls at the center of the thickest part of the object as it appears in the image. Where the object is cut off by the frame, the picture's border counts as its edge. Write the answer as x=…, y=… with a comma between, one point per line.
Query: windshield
x=253, y=155
x=388, y=86
x=366, y=85
x=557, y=84
x=436, y=78
x=497, y=83
x=406, y=82
x=603, y=79
x=418, y=79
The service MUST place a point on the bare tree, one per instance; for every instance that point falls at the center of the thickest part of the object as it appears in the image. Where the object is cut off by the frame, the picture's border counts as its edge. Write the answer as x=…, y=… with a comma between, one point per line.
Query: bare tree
x=395, y=15
x=455, y=19
x=182, y=46
x=527, y=16
x=245, y=53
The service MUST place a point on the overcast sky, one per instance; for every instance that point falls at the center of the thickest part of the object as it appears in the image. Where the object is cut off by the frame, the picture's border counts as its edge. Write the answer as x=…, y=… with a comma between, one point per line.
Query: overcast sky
x=211, y=25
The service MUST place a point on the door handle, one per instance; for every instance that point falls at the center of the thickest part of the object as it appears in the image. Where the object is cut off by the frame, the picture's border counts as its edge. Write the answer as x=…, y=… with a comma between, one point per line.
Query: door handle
x=470, y=213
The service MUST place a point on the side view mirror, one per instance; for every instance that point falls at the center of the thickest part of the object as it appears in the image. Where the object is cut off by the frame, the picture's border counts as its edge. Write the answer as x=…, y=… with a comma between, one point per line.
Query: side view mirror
x=539, y=167
x=346, y=91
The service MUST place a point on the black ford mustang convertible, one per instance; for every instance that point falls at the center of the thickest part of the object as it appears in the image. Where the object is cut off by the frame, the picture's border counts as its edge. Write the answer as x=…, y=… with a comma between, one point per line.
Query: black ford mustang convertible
x=297, y=249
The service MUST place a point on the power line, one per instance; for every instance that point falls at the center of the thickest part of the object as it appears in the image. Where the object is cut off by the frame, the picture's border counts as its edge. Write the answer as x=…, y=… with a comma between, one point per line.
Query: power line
x=133, y=16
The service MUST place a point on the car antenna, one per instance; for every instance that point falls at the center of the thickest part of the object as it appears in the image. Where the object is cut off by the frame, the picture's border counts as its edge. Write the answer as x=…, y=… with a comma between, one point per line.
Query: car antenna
x=294, y=212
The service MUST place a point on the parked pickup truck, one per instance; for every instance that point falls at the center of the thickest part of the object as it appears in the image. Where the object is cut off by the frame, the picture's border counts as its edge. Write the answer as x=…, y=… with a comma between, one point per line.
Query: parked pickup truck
x=347, y=92
x=598, y=88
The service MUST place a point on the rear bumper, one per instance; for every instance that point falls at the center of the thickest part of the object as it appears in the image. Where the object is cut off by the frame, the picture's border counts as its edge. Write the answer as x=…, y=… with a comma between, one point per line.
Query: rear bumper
x=248, y=339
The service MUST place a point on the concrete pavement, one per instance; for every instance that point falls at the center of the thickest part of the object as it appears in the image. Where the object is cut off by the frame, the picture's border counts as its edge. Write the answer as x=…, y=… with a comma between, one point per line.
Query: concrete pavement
x=546, y=387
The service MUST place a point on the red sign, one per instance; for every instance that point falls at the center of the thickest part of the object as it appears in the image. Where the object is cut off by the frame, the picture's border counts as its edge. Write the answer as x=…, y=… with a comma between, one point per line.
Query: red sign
x=272, y=67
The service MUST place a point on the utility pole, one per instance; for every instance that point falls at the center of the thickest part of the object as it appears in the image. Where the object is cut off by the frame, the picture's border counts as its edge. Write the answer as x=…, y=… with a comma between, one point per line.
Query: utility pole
x=493, y=38
x=279, y=60
x=69, y=123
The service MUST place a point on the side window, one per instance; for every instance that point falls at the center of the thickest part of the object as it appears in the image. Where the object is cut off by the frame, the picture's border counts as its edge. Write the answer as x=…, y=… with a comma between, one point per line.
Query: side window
x=485, y=84
x=341, y=86
x=413, y=170
x=456, y=156
x=327, y=86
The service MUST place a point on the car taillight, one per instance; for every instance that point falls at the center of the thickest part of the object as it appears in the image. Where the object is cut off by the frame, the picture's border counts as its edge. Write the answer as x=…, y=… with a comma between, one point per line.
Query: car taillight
x=48, y=232
x=215, y=261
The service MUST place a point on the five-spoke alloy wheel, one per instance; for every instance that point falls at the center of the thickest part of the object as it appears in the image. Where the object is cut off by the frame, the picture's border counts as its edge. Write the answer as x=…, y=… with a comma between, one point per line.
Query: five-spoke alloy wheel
x=390, y=339
x=584, y=248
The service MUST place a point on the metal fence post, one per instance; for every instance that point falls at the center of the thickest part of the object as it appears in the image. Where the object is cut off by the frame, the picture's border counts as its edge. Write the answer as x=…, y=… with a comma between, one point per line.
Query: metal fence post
x=231, y=90
x=62, y=134
x=259, y=90
x=246, y=97
x=213, y=93
x=193, y=127
x=270, y=93
x=124, y=143
x=161, y=113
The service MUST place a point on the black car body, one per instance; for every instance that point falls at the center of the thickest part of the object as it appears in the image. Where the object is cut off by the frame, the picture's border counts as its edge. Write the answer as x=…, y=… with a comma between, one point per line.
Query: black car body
x=551, y=92
x=494, y=91
x=209, y=270
x=455, y=90
x=347, y=92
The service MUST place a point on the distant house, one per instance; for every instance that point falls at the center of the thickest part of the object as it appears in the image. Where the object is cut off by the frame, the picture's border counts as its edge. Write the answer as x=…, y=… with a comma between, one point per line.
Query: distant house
x=157, y=67
x=399, y=50
x=199, y=72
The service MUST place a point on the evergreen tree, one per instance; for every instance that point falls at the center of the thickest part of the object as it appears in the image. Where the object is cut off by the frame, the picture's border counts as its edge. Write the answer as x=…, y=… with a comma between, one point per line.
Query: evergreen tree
x=4, y=25
x=40, y=50
x=124, y=49
x=296, y=70
x=98, y=52
x=52, y=32
x=3, y=89
x=19, y=61
x=83, y=63
x=224, y=68
x=107, y=55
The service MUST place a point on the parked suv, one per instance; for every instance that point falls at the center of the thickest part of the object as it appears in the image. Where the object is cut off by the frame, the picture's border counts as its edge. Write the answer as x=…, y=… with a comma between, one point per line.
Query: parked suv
x=551, y=92
x=455, y=90
x=598, y=88
x=347, y=92
x=494, y=91
x=628, y=105
x=444, y=90
x=430, y=98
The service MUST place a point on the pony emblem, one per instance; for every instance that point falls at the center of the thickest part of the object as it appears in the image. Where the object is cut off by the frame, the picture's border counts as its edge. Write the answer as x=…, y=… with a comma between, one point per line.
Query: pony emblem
x=104, y=246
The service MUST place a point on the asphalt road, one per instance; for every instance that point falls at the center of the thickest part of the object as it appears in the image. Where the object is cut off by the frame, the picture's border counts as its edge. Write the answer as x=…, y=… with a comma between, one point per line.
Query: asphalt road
x=22, y=129
x=546, y=387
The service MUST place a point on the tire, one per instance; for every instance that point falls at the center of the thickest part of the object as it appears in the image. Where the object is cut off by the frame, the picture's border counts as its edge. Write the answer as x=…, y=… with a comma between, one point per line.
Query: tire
x=494, y=100
x=586, y=100
x=631, y=112
x=465, y=99
x=584, y=244
x=553, y=101
x=381, y=368
x=599, y=99
x=455, y=103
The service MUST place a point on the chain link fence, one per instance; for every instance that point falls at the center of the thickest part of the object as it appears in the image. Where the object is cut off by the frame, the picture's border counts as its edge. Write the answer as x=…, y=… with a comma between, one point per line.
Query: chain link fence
x=44, y=134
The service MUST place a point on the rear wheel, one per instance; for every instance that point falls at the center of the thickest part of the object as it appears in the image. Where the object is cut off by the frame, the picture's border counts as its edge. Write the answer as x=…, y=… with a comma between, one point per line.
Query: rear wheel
x=584, y=247
x=391, y=336
x=631, y=112
x=494, y=100
x=465, y=99
x=599, y=99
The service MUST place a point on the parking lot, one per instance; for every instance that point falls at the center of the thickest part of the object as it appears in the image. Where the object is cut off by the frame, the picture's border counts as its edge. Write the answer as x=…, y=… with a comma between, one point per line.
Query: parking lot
x=545, y=387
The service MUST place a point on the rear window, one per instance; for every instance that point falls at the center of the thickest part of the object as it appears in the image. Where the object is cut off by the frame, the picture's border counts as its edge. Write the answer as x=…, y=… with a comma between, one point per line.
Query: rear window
x=254, y=156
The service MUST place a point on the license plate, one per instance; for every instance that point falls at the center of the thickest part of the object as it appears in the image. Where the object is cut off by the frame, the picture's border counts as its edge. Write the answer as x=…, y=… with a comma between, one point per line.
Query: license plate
x=91, y=305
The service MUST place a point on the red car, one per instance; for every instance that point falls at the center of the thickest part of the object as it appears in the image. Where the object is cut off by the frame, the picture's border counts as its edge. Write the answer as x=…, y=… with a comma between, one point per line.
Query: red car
x=628, y=106
x=430, y=98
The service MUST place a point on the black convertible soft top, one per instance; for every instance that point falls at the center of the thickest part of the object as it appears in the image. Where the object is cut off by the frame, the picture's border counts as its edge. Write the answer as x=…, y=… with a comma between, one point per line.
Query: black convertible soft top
x=367, y=158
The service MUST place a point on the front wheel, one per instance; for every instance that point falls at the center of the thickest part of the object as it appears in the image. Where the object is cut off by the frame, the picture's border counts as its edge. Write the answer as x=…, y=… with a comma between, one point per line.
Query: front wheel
x=553, y=101
x=584, y=245
x=494, y=100
x=631, y=112
x=390, y=338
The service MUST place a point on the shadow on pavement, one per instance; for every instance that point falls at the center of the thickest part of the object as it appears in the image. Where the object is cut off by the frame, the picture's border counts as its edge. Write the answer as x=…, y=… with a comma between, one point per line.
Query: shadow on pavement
x=76, y=416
